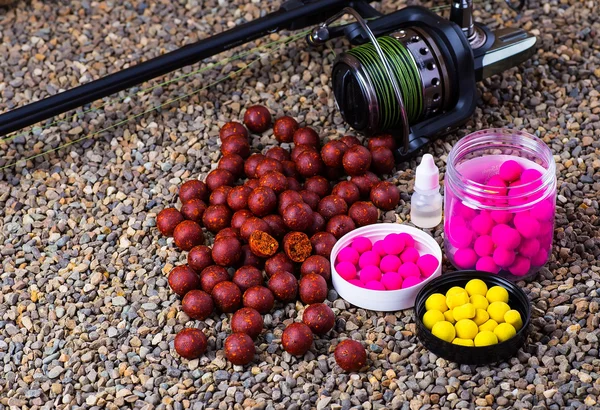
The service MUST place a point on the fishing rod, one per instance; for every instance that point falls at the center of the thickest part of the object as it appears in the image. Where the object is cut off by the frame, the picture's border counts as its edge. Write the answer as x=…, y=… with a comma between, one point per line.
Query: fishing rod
x=411, y=73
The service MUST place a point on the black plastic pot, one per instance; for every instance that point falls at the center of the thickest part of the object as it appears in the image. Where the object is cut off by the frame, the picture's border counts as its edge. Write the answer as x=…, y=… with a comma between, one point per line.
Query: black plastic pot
x=517, y=299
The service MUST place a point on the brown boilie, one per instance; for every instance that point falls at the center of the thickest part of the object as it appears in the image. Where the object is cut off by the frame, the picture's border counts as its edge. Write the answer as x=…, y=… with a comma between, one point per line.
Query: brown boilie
x=262, y=244
x=297, y=246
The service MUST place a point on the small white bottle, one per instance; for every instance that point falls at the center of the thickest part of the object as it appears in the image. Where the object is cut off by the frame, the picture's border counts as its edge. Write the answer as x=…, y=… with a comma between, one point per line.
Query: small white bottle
x=426, y=201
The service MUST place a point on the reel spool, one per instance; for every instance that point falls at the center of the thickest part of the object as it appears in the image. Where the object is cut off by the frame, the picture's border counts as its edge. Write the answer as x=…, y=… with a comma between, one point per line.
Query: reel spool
x=413, y=73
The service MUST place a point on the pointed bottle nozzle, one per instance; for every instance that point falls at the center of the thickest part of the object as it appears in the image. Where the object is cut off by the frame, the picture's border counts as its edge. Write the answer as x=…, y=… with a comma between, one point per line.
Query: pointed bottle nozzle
x=427, y=175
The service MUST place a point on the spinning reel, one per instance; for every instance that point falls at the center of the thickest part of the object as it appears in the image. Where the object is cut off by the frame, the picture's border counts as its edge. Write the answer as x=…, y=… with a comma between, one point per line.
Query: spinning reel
x=411, y=73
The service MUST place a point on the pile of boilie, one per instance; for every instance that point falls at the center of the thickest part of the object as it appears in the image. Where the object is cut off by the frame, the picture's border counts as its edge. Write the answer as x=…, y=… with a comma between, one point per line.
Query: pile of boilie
x=275, y=217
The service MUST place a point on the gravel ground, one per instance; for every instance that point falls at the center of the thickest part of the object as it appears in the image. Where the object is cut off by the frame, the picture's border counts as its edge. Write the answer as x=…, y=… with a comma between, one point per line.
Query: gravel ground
x=87, y=319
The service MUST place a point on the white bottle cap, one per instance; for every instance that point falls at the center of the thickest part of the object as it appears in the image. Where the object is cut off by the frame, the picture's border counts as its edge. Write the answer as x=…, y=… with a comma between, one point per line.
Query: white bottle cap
x=428, y=174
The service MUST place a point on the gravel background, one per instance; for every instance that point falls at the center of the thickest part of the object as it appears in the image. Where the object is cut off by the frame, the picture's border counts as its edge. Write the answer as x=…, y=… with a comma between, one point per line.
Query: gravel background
x=87, y=319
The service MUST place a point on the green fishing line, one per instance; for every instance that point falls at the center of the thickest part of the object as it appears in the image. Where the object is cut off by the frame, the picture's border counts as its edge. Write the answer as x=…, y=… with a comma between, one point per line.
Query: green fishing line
x=404, y=69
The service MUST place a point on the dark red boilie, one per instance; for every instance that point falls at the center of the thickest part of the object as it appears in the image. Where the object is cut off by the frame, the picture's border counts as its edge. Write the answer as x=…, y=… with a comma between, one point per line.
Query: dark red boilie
x=286, y=198
x=284, y=129
x=227, y=251
x=357, y=160
x=239, y=349
x=262, y=201
x=350, y=355
x=232, y=128
x=363, y=213
x=284, y=286
x=318, y=225
x=219, y=177
x=249, y=259
x=278, y=263
x=187, y=235
x=194, y=210
x=197, y=304
x=193, y=189
x=216, y=218
x=385, y=195
x=310, y=198
x=300, y=149
x=331, y=206
x=199, y=258
x=340, y=225
x=259, y=298
x=312, y=289
x=190, y=343
x=247, y=277
x=182, y=279
x=253, y=224
x=228, y=233
x=381, y=140
x=319, y=185
x=268, y=165
x=219, y=195
x=227, y=296
x=239, y=217
x=298, y=216
x=297, y=339
x=233, y=163
x=383, y=160
x=289, y=169
x=309, y=164
x=251, y=164
x=211, y=276
x=167, y=220
x=257, y=118
x=278, y=154
x=237, y=199
x=322, y=243
x=350, y=140
x=248, y=321
x=348, y=191
x=316, y=264
x=252, y=183
x=333, y=152
x=293, y=184
x=319, y=317
x=277, y=227
x=365, y=183
x=274, y=180
x=306, y=136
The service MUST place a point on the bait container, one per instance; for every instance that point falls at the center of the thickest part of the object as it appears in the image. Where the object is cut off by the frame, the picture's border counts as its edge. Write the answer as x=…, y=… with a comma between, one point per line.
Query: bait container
x=500, y=202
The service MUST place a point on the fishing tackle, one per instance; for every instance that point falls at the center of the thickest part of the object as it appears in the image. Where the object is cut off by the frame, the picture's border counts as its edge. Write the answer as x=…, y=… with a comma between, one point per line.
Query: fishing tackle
x=411, y=73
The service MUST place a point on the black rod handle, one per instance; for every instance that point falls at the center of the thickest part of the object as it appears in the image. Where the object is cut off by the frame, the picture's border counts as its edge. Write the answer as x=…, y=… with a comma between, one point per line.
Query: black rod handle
x=68, y=100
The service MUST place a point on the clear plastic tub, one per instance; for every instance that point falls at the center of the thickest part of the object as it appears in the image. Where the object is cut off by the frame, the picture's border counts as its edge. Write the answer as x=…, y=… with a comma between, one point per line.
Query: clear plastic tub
x=495, y=221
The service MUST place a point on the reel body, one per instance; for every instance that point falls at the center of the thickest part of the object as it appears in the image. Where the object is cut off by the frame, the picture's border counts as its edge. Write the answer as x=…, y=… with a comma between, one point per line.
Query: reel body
x=434, y=61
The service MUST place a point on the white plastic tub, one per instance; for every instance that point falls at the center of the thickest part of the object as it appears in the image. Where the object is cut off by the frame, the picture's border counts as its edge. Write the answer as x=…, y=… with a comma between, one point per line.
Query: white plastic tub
x=384, y=300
